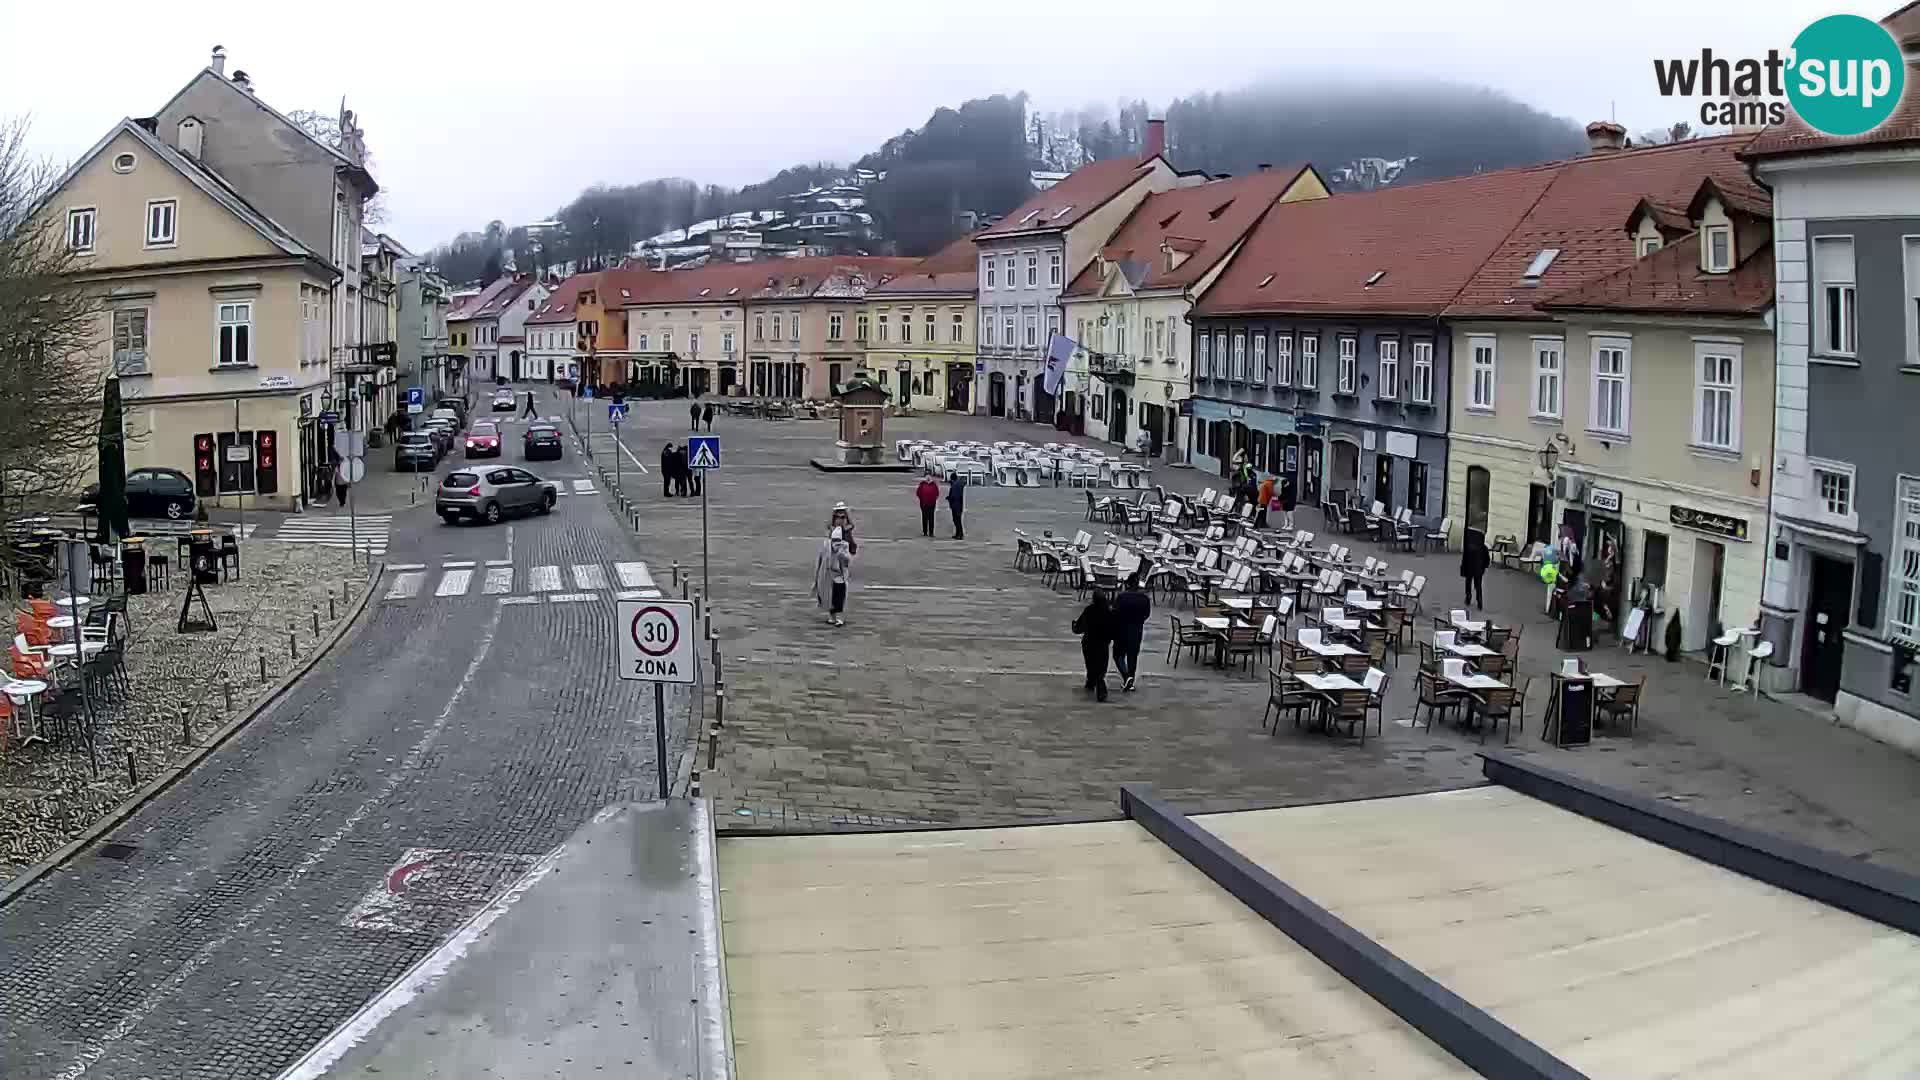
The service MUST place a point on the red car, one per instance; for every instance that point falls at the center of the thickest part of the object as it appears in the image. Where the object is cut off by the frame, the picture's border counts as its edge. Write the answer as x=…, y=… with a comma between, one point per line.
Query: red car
x=483, y=440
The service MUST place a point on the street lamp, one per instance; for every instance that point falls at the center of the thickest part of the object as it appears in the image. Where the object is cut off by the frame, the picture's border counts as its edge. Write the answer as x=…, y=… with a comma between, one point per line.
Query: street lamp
x=1549, y=457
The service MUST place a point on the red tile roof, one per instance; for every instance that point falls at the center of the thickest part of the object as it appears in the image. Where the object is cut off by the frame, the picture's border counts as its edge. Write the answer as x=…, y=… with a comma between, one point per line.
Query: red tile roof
x=1316, y=256
x=953, y=269
x=1795, y=137
x=486, y=298
x=1670, y=281
x=561, y=303
x=1583, y=211
x=1205, y=221
x=1084, y=190
x=825, y=277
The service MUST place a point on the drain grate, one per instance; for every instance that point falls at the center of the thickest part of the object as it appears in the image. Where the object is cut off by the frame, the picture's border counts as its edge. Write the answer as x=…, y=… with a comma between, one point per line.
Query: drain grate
x=122, y=852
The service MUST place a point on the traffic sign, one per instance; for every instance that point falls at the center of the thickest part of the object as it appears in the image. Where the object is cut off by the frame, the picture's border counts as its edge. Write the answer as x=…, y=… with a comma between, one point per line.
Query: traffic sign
x=587, y=392
x=616, y=411
x=329, y=417
x=657, y=640
x=703, y=451
x=416, y=399
x=350, y=470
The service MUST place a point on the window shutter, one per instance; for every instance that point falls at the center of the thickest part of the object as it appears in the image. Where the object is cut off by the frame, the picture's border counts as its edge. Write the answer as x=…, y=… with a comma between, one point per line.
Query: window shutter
x=1872, y=571
x=1833, y=260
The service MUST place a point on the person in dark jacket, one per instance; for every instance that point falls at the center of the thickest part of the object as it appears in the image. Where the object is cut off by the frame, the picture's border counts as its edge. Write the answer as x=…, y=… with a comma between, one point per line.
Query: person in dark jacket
x=1095, y=627
x=929, y=495
x=693, y=417
x=666, y=469
x=680, y=470
x=1131, y=610
x=957, y=505
x=1286, y=503
x=1474, y=558
x=707, y=415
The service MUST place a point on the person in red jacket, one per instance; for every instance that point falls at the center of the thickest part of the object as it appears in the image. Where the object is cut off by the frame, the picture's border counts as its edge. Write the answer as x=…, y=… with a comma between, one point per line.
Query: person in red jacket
x=929, y=495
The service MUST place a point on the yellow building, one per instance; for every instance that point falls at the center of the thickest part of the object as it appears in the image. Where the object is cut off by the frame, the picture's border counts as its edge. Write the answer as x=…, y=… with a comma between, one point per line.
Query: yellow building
x=918, y=330
x=215, y=318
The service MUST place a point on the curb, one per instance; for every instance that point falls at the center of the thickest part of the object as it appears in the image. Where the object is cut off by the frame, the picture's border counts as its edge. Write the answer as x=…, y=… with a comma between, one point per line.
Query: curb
x=114, y=818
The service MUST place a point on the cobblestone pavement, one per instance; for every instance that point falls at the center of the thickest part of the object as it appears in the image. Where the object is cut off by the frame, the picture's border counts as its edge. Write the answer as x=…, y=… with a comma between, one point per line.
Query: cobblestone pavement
x=341, y=835
x=49, y=793
x=951, y=696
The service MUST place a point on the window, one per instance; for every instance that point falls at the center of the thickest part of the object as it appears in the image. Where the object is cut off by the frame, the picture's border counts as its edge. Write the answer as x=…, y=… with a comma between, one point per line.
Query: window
x=958, y=331
x=1423, y=373
x=640, y=342
x=1913, y=302
x=1903, y=615
x=1173, y=340
x=1349, y=367
x=1481, y=372
x=726, y=342
x=236, y=469
x=1417, y=488
x=1120, y=338
x=1006, y=324
x=160, y=222
x=1612, y=396
x=1310, y=361
x=1012, y=281
x=884, y=330
x=1097, y=406
x=1833, y=492
x=793, y=326
x=992, y=272
x=759, y=328
x=693, y=342
x=80, y=229
x=1389, y=369
x=1033, y=269
x=236, y=333
x=1649, y=245
x=1538, y=267
x=124, y=163
x=986, y=328
x=1053, y=268
x=1240, y=356
x=130, y=341
x=1833, y=274
x=1716, y=413
x=860, y=327
x=1221, y=370
x=932, y=334
x=1260, y=358
x=906, y=327
x=1033, y=330
x=1548, y=354
x=1719, y=242
x=836, y=325
x=1203, y=365
x=1283, y=360
x=666, y=341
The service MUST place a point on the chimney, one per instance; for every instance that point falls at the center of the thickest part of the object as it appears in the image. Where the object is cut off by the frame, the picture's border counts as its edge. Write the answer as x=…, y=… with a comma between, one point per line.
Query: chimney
x=1156, y=138
x=1605, y=135
x=190, y=135
x=243, y=81
x=219, y=64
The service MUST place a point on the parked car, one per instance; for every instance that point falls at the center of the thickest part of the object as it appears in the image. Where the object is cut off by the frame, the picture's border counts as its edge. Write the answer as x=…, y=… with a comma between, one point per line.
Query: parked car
x=458, y=405
x=491, y=494
x=415, y=450
x=456, y=417
x=483, y=440
x=503, y=400
x=543, y=441
x=164, y=493
x=442, y=432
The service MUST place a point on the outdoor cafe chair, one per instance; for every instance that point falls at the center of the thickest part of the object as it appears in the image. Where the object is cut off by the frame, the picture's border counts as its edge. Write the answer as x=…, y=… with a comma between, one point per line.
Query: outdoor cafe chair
x=1403, y=535
x=1624, y=703
x=1493, y=705
x=1194, y=587
x=1429, y=657
x=1023, y=554
x=1243, y=640
x=1349, y=707
x=1268, y=633
x=1050, y=568
x=1375, y=640
x=1081, y=540
x=1355, y=664
x=1098, y=509
x=1188, y=637
x=1494, y=667
x=1286, y=696
x=1441, y=538
x=1436, y=696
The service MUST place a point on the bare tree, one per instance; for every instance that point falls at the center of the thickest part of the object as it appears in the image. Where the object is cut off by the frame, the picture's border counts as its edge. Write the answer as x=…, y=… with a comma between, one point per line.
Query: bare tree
x=50, y=339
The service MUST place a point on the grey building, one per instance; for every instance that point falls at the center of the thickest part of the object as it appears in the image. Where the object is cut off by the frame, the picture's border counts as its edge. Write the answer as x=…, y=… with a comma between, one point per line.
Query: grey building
x=1842, y=599
x=1320, y=352
x=423, y=296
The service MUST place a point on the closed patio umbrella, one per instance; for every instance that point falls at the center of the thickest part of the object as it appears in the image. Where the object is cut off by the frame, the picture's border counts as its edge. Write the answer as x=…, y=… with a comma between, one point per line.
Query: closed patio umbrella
x=112, y=500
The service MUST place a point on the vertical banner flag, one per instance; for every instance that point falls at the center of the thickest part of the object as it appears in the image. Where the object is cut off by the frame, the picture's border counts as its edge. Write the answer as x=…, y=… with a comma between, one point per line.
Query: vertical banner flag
x=1059, y=350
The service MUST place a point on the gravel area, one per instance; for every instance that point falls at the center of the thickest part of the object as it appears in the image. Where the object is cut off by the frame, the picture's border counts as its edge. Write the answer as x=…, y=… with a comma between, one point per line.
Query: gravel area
x=49, y=793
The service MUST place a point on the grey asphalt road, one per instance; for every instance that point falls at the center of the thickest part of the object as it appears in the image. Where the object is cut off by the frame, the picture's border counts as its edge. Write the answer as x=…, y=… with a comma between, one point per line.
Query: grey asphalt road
x=451, y=738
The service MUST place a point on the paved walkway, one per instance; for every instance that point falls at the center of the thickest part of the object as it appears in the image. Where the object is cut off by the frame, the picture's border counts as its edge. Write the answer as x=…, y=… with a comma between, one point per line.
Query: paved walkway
x=952, y=694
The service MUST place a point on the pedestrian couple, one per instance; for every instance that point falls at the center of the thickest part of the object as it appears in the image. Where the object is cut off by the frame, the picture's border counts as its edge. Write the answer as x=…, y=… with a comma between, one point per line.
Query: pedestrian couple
x=833, y=566
x=1118, y=625
x=695, y=414
x=928, y=493
x=676, y=478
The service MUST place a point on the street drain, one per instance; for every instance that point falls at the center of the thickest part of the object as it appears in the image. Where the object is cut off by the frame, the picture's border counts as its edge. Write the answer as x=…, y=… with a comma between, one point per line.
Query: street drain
x=122, y=852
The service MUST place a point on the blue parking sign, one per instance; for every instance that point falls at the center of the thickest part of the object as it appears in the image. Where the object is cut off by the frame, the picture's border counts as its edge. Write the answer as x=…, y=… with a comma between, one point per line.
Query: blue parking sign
x=703, y=451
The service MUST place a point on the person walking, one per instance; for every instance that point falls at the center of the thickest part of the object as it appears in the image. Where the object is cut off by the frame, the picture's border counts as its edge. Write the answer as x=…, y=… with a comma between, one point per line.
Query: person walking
x=693, y=416
x=707, y=415
x=957, y=504
x=1095, y=627
x=843, y=520
x=666, y=469
x=929, y=495
x=831, y=569
x=1262, y=500
x=1286, y=504
x=1474, y=559
x=1131, y=610
x=529, y=410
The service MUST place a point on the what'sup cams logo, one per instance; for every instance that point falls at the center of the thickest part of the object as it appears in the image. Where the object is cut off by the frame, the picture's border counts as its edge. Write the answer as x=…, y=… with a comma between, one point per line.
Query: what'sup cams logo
x=1843, y=76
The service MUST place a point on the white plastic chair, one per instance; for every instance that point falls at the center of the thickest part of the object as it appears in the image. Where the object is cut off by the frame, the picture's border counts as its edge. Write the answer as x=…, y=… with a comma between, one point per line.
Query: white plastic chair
x=1720, y=655
x=1759, y=655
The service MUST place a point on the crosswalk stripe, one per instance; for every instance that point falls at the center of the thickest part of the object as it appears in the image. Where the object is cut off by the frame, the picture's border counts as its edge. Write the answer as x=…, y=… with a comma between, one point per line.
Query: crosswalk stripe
x=638, y=594
x=633, y=575
x=408, y=566
x=499, y=580
x=519, y=600
x=589, y=576
x=468, y=562
x=544, y=579
x=454, y=583
x=583, y=487
x=571, y=597
x=406, y=585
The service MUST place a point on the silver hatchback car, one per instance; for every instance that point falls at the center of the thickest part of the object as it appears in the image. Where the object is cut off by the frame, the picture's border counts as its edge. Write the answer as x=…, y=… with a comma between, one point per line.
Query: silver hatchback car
x=491, y=494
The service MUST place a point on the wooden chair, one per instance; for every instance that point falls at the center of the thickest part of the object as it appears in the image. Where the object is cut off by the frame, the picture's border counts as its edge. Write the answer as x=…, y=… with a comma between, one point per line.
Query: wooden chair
x=1624, y=704
x=1494, y=666
x=1429, y=657
x=1355, y=665
x=1243, y=640
x=1492, y=706
x=1349, y=707
x=1437, y=696
x=1285, y=695
x=1187, y=637
x=1375, y=645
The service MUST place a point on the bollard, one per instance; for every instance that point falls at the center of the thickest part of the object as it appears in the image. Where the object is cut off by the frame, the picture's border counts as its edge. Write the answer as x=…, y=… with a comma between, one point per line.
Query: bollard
x=713, y=743
x=413, y=498
x=316, y=620
x=186, y=727
x=263, y=665
x=693, y=792
x=133, y=776
x=227, y=689
x=719, y=708
x=293, y=645
x=331, y=614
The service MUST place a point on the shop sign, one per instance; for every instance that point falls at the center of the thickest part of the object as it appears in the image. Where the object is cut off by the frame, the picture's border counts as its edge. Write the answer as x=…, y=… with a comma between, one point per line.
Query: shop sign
x=1687, y=517
x=1186, y=406
x=276, y=382
x=1607, y=499
x=1403, y=444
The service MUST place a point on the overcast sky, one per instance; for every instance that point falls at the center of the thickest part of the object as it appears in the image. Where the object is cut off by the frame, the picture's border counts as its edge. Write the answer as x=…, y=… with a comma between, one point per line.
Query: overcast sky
x=480, y=110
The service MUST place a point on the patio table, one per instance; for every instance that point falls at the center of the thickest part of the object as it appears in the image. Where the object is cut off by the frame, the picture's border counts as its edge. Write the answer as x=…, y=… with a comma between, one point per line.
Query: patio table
x=1477, y=682
x=24, y=692
x=1467, y=649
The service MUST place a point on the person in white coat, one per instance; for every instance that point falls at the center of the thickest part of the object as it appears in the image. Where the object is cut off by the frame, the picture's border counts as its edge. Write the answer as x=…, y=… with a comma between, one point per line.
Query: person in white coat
x=831, y=569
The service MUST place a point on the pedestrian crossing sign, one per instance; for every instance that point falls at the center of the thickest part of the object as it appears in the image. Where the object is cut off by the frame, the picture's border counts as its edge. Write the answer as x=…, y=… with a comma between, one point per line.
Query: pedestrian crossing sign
x=703, y=451
x=616, y=411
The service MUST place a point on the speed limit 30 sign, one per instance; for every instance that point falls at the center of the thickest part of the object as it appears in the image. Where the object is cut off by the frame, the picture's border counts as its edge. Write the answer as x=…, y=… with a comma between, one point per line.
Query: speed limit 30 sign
x=657, y=639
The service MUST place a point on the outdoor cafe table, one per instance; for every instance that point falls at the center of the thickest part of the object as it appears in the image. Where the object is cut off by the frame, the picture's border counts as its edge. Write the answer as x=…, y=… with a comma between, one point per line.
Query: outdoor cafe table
x=1351, y=626
x=1331, y=651
x=1466, y=649
x=23, y=692
x=1364, y=605
x=1328, y=684
x=1476, y=682
x=1468, y=625
x=68, y=651
x=73, y=601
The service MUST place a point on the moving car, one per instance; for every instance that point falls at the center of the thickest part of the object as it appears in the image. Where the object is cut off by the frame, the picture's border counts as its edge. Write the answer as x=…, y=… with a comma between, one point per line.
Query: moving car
x=164, y=493
x=503, y=400
x=484, y=440
x=543, y=441
x=493, y=493
x=415, y=450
